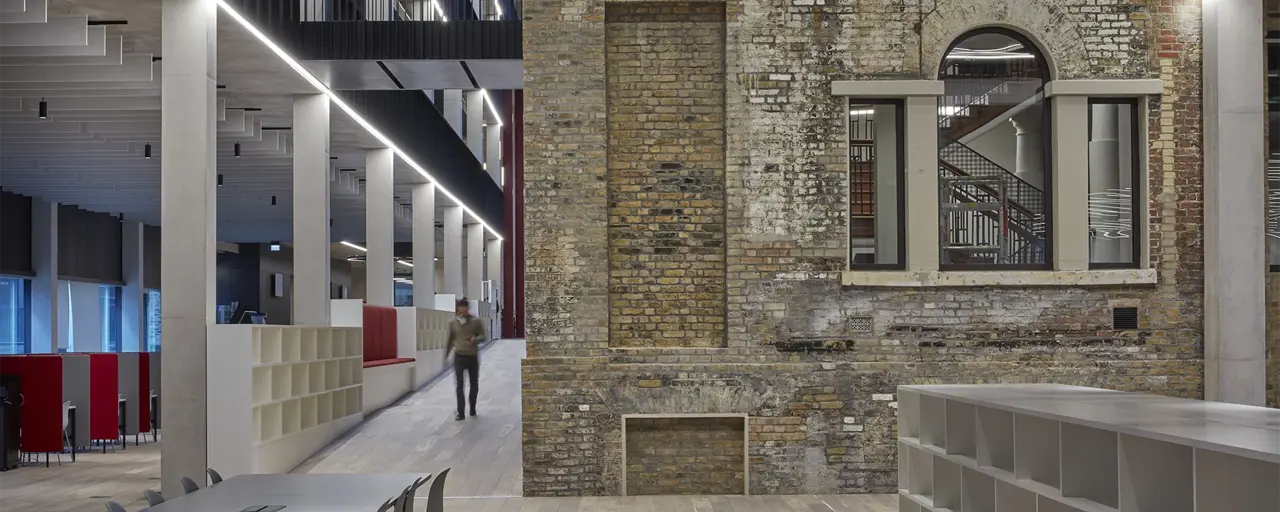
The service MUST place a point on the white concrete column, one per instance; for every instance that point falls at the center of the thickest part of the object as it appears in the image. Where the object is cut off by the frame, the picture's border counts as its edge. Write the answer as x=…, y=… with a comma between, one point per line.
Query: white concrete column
x=886, y=147
x=475, y=124
x=1029, y=159
x=379, y=227
x=1235, y=207
x=493, y=152
x=133, y=312
x=1104, y=178
x=475, y=261
x=493, y=267
x=188, y=213
x=85, y=318
x=424, y=245
x=1070, y=183
x=453, y=251
x=45, y=293
x=311, y=265
x=922, y=183
x=452, y=109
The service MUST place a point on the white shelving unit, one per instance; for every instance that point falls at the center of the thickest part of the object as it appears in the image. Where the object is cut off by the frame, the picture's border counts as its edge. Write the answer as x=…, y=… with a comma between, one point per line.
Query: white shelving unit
x=433, y=329
x=1055, y=448
x=278, y=394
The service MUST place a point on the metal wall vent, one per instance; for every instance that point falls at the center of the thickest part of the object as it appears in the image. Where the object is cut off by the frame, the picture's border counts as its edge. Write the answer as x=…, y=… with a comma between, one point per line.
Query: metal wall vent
x=860, y=324
x=1124, y=319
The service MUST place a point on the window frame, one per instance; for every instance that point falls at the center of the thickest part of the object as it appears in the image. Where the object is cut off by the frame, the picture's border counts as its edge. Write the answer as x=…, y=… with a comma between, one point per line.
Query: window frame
x=900, y=175
x=1139, y=173
x=24, y=329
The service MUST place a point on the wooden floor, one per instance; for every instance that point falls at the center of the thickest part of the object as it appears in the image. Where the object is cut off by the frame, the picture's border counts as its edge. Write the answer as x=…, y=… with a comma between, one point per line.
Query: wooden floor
x=418, y=434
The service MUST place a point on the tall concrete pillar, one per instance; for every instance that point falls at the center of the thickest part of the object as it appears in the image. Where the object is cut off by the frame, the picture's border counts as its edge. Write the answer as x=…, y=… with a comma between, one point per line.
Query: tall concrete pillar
x=886, y=147
x=1105, y=181
x=424, y=245
x=493, y=152
x=379, y=227
x=493, y=267
x=1029, y=160
x=188, y=213
x=452, y=109
x=1235, y=202
x=133, y=312
x=475, y=124
x=46, y=296
x=475, y=261
x=453, y=251
x=311, y=265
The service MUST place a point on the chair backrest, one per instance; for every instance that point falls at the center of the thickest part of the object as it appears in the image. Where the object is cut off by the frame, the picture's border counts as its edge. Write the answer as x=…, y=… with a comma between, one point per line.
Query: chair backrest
x=404, y=503
x=214, y=477
x=153, y=498
x=115, y=507
x=188, y=485
x=387, y=505
x=435, y=499
x=66, y=414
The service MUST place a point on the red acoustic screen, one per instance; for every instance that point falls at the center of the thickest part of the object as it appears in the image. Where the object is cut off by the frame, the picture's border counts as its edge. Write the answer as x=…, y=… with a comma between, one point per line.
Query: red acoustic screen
x=104, y=397
x=41, y=400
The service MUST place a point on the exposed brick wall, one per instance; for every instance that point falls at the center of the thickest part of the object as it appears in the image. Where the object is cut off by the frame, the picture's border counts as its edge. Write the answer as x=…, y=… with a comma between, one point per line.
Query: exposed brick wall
x=1273, y=340
x=665, y=81
x=668, y=456
x=785, y=222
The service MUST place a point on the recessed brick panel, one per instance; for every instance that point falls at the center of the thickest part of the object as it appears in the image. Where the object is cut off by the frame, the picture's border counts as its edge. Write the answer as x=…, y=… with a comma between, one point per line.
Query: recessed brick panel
x=666, y=173
x=668, y=456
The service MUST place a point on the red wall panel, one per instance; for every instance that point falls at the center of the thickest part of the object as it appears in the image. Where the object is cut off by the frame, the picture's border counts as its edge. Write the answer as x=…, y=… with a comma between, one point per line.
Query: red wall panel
x=104, y=397
x=379, y=333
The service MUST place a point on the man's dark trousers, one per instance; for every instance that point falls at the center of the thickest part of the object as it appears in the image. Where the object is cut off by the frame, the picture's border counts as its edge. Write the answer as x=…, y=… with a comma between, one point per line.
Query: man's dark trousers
x=471, y=365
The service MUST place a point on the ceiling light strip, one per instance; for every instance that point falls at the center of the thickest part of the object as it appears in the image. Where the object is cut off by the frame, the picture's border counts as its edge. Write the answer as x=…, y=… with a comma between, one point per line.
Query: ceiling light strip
x=492, y=109
x=353, y=246
x=315, y=82
x=439, y=11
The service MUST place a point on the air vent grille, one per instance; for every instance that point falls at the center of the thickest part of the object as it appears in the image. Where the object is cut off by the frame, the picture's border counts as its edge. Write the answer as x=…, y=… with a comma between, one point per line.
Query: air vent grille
x=1124, y=319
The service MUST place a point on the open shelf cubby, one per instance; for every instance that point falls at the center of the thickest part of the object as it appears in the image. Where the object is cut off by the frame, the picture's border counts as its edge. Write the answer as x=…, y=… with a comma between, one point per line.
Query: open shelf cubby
x=1058, y=448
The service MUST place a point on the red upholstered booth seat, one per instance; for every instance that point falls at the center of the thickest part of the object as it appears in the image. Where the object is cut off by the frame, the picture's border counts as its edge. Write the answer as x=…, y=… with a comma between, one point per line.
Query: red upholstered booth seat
x=380, y=337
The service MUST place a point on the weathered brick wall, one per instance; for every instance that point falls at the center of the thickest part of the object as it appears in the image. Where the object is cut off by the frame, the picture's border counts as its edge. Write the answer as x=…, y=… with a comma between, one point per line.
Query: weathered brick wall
x=1273, y=340
x=824, y=421
x=669, y=456
x=665, y=81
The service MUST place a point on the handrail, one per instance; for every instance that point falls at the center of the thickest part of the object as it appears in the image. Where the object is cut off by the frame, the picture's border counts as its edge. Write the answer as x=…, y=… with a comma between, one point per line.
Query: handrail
x=985, y=188
x=987, y=160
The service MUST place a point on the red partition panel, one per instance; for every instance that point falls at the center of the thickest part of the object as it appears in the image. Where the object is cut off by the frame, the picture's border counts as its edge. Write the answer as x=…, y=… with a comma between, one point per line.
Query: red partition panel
x=144, y=392
x=41, y=400
x=104, y=397
x=379, y=333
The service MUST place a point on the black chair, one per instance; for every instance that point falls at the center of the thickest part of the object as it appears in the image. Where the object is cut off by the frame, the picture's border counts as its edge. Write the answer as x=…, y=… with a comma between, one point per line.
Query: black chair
x=214, y=477
x=188, y=485
x=404, y=503
x=435, y=498
x=115, y=507
x=388, y=505
x=153, y=498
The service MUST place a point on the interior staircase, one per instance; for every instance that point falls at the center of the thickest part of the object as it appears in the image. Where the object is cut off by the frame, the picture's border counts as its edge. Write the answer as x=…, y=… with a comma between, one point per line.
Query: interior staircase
x=988, y=214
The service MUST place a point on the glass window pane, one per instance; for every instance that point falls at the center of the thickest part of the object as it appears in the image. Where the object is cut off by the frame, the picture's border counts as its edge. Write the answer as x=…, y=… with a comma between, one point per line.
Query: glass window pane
x=13, y=315
x=1273, y=150
x=152, y=304
x=1113, y=183
x=875, y=183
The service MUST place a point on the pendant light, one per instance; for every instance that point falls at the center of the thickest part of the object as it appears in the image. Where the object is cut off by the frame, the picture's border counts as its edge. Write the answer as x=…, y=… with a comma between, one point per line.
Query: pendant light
x=146, y=151
x=44, y=109
x=237, y=150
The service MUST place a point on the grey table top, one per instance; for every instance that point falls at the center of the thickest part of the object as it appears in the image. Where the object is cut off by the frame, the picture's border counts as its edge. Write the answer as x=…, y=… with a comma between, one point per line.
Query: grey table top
x=297, y=493
x=1243, y=430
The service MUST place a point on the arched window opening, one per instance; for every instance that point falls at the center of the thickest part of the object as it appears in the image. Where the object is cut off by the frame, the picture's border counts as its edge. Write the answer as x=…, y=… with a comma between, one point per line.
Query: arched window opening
x=993, y=161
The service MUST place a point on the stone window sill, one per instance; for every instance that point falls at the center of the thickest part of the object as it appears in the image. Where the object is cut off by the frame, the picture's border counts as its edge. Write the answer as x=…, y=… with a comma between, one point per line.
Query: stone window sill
x=1019, y=278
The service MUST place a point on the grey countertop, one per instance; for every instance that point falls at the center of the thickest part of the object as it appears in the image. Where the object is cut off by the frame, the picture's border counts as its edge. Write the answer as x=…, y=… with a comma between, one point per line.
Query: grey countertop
x=297, y=493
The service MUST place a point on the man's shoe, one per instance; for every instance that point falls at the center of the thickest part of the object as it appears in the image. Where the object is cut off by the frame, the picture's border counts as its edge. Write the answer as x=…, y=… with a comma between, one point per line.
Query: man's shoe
x=459, y=417
x=473, y=412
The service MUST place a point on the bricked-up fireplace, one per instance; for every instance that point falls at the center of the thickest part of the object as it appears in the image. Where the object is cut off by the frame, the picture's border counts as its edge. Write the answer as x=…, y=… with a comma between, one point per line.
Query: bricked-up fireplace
x=668, y=454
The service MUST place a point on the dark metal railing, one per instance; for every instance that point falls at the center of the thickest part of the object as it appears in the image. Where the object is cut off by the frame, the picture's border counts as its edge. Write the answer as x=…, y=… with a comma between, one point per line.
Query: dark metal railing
x=391, y=10
x=1022, y=221
x=974, y=84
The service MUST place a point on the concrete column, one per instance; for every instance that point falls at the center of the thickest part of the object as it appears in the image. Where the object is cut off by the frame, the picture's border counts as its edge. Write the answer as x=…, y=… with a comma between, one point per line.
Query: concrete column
x=133, y=312
x=379, y=227
x=493, y=152
x=311, y=265
x=1104, y=180
x=475, y=261
x=886, y=147
x=922, y=183
x=1070, y=183
x=453, y=251
x=452, y=109
x=188, y=213
x=1235, y=207
x=493, y=267
x=424, y=245
x=1029, y=159
x=475, y=124
x=85, y=317
x=45, y=294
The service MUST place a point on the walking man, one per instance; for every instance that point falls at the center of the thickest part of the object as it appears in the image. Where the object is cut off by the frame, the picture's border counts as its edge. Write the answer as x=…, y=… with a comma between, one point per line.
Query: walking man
x=465, y=334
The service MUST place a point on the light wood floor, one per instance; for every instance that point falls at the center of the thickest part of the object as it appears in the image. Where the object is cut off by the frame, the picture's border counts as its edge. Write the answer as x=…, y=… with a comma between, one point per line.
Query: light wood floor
x=418, y=434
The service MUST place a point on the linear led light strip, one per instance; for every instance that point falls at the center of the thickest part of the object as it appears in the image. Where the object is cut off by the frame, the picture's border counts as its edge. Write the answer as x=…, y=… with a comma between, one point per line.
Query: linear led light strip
x=362, y=249
x=315, y=82
x=439, y=11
